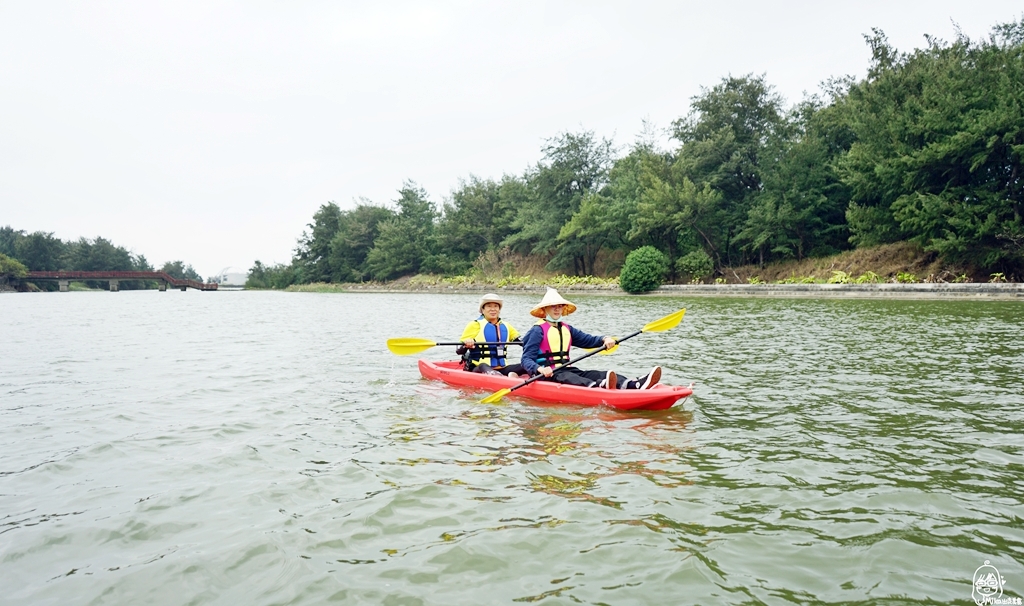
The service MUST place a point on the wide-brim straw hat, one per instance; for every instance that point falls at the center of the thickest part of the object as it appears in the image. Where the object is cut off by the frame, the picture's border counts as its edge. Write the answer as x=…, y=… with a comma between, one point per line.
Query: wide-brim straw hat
x=490, y=298
x=551, y=297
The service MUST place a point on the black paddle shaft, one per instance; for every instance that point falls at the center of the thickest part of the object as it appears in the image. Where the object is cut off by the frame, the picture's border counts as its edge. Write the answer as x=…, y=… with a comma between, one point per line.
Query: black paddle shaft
x=484, y=343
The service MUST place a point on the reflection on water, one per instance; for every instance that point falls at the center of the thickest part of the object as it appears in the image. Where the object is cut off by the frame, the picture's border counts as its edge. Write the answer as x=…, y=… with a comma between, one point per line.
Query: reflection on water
x=263, y=448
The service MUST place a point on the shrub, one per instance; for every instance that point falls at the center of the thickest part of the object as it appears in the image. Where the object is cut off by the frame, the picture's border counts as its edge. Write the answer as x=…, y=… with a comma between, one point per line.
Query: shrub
x=445, y=265
x=696, y=264
x=798, y=280
x=839, y=277
x=516, y=281
x=11, y=268
x=272, y=276
x=643, y=271
x=564, y=281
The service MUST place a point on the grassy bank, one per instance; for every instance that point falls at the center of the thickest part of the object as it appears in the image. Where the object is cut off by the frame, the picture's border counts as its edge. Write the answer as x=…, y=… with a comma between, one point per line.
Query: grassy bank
x=439, y=283
x=901, y=262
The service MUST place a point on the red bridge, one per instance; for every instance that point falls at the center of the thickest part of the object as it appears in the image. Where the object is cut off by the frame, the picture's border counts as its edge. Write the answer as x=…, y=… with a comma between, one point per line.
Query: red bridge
x=65, y=277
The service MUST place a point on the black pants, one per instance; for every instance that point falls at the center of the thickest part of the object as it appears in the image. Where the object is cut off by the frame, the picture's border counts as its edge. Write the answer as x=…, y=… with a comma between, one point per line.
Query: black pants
x=571, y=375
x=505, y=370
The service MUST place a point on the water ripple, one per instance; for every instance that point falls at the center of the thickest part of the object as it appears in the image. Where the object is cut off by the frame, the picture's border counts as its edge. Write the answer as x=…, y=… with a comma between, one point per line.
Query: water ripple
x=265, y=448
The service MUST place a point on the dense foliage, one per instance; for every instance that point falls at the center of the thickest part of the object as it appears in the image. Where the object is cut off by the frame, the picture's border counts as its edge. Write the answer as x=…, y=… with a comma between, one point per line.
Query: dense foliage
x=927, y=148
x=42, y=251
x=695, y=265
x=643, y=271
x=938, y=148
x=180, y=271
x=11, y=268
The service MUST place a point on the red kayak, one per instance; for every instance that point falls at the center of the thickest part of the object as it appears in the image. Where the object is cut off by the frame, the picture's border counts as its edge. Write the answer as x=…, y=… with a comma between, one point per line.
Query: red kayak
x=658, y=397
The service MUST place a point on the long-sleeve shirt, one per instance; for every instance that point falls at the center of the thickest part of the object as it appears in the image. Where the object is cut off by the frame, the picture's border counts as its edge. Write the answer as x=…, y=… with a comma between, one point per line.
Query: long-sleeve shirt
x=534, y=336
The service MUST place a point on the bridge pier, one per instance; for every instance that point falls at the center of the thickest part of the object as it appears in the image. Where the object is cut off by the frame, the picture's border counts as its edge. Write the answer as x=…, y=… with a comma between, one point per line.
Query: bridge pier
x=163, y=286
x=113, y=286
x=63, y=285
x=183, y=288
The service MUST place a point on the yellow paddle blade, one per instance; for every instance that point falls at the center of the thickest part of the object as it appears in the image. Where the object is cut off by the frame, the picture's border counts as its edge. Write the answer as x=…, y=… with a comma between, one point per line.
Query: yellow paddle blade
x=670, y=321
x=496, y=397
x=406, y=346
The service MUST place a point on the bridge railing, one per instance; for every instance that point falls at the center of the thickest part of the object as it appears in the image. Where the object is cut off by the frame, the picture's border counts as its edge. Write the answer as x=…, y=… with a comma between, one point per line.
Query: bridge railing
x=120, y=275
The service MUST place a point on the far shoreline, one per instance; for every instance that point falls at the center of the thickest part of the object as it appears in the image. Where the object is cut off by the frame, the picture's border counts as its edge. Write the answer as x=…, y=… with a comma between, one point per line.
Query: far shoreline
x=932, y=290
x=972, y=291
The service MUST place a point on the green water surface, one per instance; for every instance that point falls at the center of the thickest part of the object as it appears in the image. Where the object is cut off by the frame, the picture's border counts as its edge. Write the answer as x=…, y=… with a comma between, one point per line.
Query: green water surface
x=266, y=448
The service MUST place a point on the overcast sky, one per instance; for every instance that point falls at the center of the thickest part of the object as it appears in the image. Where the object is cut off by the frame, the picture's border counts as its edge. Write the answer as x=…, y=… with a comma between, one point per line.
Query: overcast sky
x=212, y=131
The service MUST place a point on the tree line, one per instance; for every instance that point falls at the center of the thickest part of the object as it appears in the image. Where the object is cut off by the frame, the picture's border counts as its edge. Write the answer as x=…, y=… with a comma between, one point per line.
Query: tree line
x=926, y=148
x=42, y=251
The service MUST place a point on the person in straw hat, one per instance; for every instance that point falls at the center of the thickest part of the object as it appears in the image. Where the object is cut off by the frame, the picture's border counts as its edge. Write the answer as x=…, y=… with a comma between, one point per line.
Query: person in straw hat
x=489, y=328
x=547, y=344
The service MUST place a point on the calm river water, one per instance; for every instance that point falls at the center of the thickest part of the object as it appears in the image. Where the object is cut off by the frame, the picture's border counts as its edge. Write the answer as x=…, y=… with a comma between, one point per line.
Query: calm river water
x=266, y=448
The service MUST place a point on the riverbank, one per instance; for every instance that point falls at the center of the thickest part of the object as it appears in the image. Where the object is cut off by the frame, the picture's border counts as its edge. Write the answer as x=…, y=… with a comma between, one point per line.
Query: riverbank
x=900, y=270
x=984, y=291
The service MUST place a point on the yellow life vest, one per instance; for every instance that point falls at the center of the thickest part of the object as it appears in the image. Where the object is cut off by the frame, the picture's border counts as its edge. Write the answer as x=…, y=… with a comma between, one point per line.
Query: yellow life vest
x=555, y=345
x=493, y=355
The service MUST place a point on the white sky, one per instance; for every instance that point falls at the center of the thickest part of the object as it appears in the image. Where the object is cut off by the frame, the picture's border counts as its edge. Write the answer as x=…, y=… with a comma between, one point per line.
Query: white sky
x=212, y=131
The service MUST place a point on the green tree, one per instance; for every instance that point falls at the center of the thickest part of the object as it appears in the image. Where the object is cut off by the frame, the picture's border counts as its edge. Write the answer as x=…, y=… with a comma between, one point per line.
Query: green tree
x=11, y=268
x=802, y=206
x=40, y=251
x=405, y=241
x=180, y=271
x=312, y=256
x=574, y=164
x=605, y=218
x=591, y=228
x=673, y=210
x=357, y=231
x=477, y=217
x=940, y=148
x=275, y=276
x=98, y=255
x=724, y=141
x=102, y=255
x=8, y=240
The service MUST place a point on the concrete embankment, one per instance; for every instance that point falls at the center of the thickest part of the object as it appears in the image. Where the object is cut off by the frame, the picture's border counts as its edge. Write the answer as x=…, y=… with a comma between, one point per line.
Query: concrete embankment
x=939, y=290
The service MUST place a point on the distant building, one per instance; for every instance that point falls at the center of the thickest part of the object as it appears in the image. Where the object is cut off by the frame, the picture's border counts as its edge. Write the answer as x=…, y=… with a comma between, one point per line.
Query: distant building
x=230, y=277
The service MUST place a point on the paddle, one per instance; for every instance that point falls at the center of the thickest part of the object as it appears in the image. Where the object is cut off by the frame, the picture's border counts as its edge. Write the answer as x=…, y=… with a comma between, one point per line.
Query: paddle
x=407, y=346
x=670, y=321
